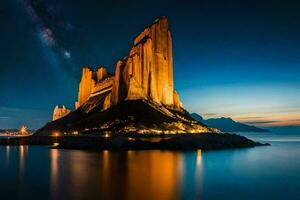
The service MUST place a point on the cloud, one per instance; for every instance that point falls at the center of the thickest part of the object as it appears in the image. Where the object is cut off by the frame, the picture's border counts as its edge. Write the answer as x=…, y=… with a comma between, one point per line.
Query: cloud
x=260, y=122
x=269, y=123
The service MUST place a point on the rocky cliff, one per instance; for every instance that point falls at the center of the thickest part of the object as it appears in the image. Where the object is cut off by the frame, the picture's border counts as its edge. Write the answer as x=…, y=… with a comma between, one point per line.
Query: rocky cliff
x=90, y=83
x=146, y=73
x=143, y=80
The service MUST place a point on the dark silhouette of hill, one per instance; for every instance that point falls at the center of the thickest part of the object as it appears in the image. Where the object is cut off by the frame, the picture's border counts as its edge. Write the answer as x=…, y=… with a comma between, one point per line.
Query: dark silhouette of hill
x=127, y=116
x=227, y=124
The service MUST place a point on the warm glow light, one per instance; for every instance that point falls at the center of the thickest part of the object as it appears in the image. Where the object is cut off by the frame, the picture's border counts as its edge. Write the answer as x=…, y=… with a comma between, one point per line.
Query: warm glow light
x=56, y=133
x=199, y=157
x=160, y=169
x=23, y=130
x=75, y=132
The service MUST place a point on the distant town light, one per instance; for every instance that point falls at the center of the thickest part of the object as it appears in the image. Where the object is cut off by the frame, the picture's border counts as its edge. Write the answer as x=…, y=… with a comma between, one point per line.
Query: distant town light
x=23, y=130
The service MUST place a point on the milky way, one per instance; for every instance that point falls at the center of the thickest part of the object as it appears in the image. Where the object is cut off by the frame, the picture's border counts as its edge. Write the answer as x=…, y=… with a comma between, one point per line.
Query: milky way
x=48, y=23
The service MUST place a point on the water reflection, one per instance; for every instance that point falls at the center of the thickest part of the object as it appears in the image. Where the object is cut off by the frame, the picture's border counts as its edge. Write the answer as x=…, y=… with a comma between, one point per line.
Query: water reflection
x=54, y=170
x=154, y=171
x=124, y=175
x=191, y=185
x=42, y=173
x=21, y=160
x=22, y=153
x=7, y=149
x=198, y=174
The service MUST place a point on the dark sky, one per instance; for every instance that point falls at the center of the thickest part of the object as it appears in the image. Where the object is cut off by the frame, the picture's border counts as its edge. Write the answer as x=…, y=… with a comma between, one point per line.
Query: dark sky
x=231, y=58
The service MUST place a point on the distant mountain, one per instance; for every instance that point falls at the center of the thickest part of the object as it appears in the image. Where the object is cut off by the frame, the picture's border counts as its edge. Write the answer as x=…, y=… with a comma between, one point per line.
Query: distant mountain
x=226, y=124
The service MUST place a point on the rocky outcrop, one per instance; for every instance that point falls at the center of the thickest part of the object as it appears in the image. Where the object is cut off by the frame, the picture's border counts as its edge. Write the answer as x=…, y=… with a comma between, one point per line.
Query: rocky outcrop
x=129, y=116
x=102, y=73
x=86, y=85
x=139, y=97
x=146, y=73
x=60, y=112
x=92, y=82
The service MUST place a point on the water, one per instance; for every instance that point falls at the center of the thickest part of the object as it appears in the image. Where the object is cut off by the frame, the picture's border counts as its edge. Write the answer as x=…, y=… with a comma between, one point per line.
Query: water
x=269, y=172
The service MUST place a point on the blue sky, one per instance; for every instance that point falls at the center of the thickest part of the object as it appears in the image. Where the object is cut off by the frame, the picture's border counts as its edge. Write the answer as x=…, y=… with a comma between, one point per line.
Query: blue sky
x=232, y=58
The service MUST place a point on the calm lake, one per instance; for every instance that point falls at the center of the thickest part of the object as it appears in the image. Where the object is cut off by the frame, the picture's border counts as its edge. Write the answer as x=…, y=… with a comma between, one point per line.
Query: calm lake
x=269, y=172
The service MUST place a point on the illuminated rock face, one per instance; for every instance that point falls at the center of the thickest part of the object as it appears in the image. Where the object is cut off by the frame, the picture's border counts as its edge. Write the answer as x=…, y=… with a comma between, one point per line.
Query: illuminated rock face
x=146, y=73
x=92, y=82
x=60, y=112
x=139, y=97
x=86, y=85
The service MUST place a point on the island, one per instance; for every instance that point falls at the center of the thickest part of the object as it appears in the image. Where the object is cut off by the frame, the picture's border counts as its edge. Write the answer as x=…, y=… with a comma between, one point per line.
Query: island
x=136, y=107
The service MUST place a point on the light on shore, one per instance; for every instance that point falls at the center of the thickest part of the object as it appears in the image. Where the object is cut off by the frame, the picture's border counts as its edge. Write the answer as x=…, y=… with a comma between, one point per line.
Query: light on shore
x=56, y=133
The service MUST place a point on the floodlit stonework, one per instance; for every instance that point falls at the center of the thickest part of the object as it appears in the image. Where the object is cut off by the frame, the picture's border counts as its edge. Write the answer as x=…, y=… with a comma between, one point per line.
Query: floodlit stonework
x=60, y=112
x=139, y=97
x=146, y=73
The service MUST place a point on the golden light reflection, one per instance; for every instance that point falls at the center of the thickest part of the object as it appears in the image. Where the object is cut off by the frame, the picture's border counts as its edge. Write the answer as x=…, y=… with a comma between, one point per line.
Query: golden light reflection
x=22, y=149
x=54, y=169
x=153, y=170
x=73, y=174
x=198, y=173
x=199, y=158
x=105, y=160
x=106, y=171
x=7, y=155
x=130, y=153
x=124, y=175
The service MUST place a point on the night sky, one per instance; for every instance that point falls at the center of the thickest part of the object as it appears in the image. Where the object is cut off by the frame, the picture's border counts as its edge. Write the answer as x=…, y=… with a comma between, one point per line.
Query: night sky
x=238, y=59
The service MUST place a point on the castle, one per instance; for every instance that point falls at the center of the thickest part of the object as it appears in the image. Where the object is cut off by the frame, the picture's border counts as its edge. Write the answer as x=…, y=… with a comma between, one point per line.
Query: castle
x=145, y=74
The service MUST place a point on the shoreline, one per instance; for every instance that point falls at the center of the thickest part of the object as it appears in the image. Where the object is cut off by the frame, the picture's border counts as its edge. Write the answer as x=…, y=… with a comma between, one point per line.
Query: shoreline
x=203, y=141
